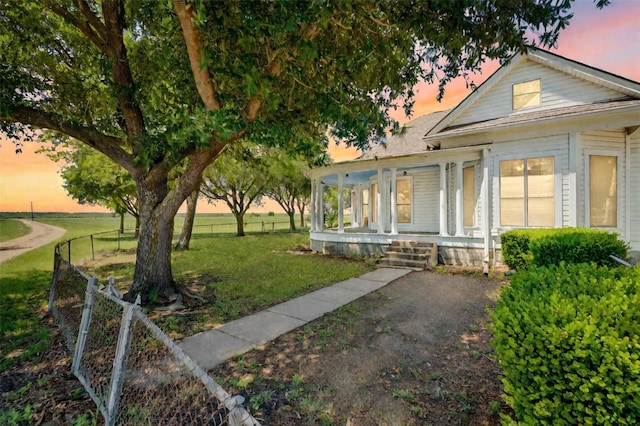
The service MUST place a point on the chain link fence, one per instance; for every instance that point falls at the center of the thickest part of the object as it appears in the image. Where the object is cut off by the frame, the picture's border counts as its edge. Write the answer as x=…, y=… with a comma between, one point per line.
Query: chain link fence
x=133, y=371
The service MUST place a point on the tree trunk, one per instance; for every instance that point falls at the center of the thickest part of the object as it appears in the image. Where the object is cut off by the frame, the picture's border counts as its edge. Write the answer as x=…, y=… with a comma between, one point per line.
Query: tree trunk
x=137, y=230
x=302, y=224
x=187, y=227
x=122, y=223
x=240, y=224
x=292, y=220
x=152, y=275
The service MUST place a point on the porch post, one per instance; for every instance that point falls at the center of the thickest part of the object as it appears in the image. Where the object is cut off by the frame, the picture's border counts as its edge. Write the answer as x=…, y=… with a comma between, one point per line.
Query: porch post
x=484, y=191
x=394, y=202
x=443, y=200
x=459, y=211
x=355, y=206
x=340, y=203
x=313, y=205
x=319, y=206
x=379, y=202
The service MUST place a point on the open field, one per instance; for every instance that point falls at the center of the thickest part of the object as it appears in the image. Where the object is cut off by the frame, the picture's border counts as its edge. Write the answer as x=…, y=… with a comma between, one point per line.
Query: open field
x=10, y=229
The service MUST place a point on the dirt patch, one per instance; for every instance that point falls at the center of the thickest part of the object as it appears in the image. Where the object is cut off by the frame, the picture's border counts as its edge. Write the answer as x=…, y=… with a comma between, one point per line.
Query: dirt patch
x=415, y=352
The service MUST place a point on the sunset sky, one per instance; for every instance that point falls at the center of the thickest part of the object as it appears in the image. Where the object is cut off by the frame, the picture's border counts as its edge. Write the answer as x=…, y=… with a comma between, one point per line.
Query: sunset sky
x=607, y=39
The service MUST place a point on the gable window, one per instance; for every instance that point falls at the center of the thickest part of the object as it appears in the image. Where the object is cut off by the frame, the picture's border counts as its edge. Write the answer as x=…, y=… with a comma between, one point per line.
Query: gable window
x=469, y=194
x=526, y=94
x=527, y=192
x=603, y=191
x=403, y=199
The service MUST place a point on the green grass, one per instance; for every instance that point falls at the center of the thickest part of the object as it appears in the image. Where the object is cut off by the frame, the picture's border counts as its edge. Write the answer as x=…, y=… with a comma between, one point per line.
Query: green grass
x=10, y=229
x=237, y=275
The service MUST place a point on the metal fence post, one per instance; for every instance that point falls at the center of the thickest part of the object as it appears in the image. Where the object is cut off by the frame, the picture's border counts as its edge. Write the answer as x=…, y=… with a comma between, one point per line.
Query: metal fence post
x=84, y=326
x=69, y=250
x=93, y=256
x=122, y=349
x=54, y=279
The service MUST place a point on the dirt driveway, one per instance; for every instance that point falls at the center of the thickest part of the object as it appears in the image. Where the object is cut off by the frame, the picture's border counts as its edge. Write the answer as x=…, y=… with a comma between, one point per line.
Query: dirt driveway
x=40, y=235
x=414, y=352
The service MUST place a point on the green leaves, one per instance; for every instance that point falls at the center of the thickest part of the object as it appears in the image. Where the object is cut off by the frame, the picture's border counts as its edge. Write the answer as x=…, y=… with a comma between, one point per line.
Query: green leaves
x=568, y=340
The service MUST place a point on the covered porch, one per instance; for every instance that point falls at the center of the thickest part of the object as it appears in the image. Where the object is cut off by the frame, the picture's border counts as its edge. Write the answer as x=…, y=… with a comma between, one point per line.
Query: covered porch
x=437, y=196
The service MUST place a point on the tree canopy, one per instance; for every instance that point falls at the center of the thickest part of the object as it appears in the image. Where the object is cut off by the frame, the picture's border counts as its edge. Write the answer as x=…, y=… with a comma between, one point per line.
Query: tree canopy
x=156, y=85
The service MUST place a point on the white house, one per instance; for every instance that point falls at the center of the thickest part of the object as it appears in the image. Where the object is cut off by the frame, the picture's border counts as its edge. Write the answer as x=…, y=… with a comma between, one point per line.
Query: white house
x=544, y=142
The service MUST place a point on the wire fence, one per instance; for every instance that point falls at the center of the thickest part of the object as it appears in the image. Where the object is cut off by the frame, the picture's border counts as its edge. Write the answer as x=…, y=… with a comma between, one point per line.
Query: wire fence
x=133, y=372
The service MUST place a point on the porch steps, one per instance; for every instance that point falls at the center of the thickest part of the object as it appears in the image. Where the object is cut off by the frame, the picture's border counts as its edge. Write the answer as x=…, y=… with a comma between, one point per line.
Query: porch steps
x=410, y=254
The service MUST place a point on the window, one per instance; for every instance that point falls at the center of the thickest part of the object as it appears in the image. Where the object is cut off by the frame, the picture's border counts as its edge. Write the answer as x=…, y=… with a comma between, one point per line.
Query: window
x=526, y=94
x=603, y=191
x=469, y=194
x=527, y=192
x=365, y=207
x=374, y=202
x=403, y=198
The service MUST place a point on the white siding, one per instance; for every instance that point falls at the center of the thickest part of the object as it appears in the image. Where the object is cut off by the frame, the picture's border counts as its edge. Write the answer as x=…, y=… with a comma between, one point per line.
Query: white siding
x=558, y=90
x=634, y=174
x=556, y=146
x=426, y=200
x=605, y=142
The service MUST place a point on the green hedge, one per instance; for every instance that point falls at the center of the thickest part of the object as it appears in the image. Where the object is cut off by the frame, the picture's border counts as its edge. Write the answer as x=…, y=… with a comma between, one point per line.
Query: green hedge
x=523, y=248
x=568, y=341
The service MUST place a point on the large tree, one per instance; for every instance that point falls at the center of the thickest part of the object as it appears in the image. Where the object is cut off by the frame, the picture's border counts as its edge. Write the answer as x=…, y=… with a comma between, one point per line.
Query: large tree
x=155, y=84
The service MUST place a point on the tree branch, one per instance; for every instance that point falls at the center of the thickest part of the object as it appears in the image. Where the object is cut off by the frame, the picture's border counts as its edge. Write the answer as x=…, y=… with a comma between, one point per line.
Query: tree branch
x=121, y=71
x=108, y=145
x=95, y=33
x=195, y=50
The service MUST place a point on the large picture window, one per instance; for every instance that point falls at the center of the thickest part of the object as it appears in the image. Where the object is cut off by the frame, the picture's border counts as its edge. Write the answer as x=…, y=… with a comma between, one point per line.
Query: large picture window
x=603, y=191
x=403, y=199
x=527, y=192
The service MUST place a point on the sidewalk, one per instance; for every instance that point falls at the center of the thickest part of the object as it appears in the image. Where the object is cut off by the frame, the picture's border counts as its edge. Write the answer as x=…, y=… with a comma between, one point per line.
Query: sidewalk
x=210, y=348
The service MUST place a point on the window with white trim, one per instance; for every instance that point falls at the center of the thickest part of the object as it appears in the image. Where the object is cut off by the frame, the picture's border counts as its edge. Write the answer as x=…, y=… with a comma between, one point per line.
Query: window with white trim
x=403, y=200
x=469, y=194
x=603, y=191
x=526, y=94
x=374, y=202
x=365, y=206
x=527, y=192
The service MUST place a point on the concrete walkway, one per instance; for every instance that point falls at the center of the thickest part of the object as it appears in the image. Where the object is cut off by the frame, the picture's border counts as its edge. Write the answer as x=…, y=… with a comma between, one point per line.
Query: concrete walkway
x=210, y=348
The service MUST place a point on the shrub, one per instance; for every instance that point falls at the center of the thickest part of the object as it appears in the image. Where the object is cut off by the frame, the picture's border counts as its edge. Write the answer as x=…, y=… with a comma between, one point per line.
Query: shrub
x=524, y=248
x=568, y=341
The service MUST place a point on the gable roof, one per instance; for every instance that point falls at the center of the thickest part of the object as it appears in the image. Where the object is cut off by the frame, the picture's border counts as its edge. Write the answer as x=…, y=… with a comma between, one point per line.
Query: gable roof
x=628, y=89
x=410, y=141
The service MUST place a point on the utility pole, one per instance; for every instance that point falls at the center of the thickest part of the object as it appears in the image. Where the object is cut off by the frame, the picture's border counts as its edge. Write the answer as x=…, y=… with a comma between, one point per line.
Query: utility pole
x=31, y=210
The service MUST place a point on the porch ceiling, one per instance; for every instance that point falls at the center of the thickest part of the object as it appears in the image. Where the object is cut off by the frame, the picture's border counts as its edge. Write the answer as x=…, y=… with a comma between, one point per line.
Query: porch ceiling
x=354, y=178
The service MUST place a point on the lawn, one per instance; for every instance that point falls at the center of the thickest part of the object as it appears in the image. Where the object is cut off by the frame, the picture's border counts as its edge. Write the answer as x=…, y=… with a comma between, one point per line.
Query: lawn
x=10, y=229
x=236, y=276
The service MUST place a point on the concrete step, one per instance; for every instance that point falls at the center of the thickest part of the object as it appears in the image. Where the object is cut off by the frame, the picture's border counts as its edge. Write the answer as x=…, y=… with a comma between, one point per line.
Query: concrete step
x=406, y=263
x=411, y=254
x=407, y=255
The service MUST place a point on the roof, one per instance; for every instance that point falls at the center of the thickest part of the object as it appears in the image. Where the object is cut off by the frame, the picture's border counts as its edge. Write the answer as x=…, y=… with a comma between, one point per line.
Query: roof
x=627, y=88
x=410, y=141
x=537, y=117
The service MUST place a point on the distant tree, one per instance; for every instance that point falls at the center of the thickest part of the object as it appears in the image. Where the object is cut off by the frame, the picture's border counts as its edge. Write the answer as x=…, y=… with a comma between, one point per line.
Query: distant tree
x=92, y=178
x=290, y=188
x=156, y=85
x=239, y=178
x=331, y=206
